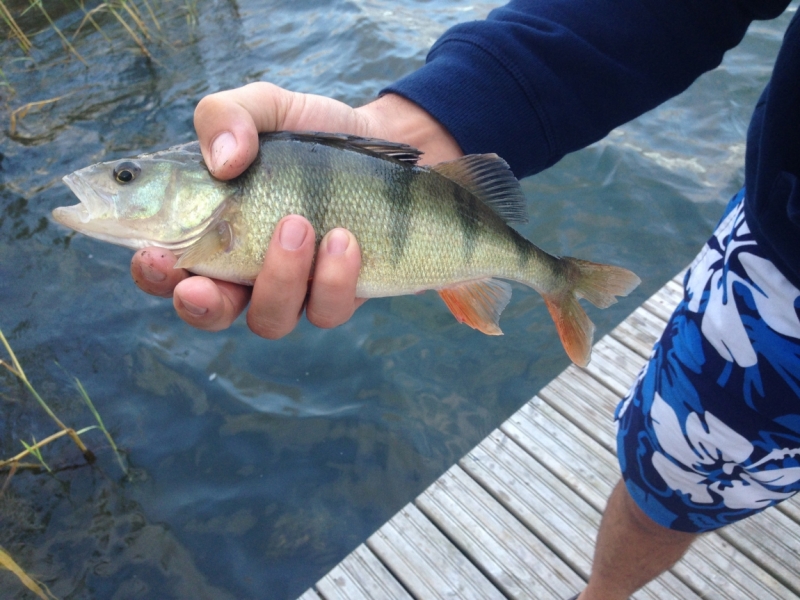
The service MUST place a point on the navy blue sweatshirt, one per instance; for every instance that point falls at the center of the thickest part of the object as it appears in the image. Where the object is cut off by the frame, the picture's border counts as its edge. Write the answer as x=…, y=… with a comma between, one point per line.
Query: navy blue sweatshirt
x=541, y=78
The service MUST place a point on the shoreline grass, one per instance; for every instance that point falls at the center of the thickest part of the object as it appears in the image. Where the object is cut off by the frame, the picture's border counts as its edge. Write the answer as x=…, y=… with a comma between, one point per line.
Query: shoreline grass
x=10, y=564
x=138, y=18
x=35, y=449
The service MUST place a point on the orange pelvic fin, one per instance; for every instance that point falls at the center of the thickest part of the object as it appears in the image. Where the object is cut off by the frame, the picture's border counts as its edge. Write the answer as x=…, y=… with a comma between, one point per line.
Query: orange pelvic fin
x=478, y=303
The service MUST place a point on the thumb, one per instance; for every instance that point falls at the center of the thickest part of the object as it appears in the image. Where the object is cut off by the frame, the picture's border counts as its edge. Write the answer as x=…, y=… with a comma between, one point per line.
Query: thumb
x=228, y=123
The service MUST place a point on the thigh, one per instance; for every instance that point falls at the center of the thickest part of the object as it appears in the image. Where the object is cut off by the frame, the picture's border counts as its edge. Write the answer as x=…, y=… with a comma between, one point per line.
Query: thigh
x=710, y=432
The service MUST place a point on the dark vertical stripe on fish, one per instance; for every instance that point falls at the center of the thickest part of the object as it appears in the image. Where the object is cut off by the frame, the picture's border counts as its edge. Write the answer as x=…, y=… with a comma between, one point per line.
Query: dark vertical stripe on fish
x=523, y=249
x=467, y=211
x=316, y=185
x=399, y=194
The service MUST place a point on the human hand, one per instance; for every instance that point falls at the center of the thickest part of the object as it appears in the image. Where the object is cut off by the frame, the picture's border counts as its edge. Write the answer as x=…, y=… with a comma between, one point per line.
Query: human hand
x=227, y=125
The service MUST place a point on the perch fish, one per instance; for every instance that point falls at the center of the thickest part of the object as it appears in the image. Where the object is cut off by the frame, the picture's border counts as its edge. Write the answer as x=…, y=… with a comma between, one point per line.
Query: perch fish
x=443, y=227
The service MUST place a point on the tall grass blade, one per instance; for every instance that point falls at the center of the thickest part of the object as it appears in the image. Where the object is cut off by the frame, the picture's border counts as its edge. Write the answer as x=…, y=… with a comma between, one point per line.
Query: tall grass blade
x=191, y=13
x=100, y=423
x=36, y=450
x=152, y=14
x=70, y=47
x=16, y=369
x=88, y=16
x=22, y=39
x=8, y=563
x=14, y=460
x=130, y=31
x=20, y=113
x=131, y=9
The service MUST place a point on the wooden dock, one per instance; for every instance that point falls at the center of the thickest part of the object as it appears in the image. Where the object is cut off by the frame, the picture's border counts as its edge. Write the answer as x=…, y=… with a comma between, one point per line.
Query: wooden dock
x=517, y=516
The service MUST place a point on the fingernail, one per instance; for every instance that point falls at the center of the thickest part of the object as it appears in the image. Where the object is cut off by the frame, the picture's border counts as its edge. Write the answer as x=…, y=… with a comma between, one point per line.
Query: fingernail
x=193, y=309
x=152, y=275
x=292, y=234
x=337, y=242
x=222, y=148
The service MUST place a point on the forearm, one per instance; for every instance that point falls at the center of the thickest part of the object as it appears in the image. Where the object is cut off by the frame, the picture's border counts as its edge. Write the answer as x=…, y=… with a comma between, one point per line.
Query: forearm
x=395, y=118
x=537, y=80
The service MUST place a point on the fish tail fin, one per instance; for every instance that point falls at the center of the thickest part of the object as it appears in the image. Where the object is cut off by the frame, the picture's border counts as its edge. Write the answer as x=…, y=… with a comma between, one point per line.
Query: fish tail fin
x=599, y=284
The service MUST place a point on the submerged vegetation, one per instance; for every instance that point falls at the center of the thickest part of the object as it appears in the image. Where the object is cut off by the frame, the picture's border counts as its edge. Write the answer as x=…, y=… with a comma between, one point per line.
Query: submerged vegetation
x=15, y=463
x=27, y=28
x=136, y=17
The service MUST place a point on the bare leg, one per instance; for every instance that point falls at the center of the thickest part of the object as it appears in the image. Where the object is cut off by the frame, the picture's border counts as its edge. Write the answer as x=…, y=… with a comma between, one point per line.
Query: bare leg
x=631, y=549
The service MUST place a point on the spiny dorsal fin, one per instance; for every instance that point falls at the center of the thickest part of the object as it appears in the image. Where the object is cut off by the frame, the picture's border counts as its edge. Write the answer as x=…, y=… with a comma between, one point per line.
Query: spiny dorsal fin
x=488, y=177
x=372, y=146
x=478, y=303
x=218, y=239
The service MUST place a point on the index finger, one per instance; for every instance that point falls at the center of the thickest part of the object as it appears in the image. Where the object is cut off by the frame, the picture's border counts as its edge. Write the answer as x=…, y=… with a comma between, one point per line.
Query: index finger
x=152, y=270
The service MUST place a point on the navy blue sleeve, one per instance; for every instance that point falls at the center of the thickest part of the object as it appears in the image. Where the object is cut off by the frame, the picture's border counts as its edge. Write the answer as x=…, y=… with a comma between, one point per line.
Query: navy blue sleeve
x=541, y=78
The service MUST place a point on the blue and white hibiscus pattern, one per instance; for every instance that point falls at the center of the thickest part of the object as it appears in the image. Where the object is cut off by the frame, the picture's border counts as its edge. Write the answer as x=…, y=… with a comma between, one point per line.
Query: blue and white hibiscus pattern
x=710, y=432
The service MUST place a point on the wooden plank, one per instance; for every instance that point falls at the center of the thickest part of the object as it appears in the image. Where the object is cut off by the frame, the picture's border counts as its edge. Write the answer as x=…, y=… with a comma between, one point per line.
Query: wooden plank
x=548, y=507
x=791, y=508
x=426, y=562
x=712, y=566
x=514, y=559
x=663, y=303
x=310, y=594
x=361, y=576
x=614, y=365
x=639, y=331
x=679, y=277
x=716, y=569
x=535, y=496
x=560, y=445
x=772, y=540
x=583, y=400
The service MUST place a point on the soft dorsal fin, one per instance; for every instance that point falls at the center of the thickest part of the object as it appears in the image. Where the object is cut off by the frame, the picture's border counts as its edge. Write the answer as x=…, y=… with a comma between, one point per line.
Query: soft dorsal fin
x=372, y=146
x=488, y=177
x=478, y=303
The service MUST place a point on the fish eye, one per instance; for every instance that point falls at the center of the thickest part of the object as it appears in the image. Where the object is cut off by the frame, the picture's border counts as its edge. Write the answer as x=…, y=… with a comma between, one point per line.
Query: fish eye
x=125, y=172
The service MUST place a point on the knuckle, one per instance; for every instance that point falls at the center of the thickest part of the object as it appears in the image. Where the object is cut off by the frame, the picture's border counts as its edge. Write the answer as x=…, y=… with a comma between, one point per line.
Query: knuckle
x=326, y=320
x=207, y=105
x=327, y=312
x=269, y=327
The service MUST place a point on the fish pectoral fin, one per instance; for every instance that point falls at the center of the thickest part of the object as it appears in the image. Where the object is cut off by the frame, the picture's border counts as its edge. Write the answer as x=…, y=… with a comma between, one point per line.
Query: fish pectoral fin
x=478, y=303
x=218, y=239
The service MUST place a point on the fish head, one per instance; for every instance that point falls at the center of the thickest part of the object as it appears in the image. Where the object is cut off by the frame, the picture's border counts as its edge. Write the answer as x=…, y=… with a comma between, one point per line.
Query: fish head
x=167, y=199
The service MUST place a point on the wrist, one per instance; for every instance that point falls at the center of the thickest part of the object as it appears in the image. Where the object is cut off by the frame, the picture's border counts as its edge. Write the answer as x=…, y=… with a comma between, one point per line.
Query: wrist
x=394, y=118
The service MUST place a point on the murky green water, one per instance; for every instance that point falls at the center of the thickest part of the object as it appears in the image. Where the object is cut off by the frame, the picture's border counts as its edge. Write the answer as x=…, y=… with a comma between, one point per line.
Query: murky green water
x=256, y=466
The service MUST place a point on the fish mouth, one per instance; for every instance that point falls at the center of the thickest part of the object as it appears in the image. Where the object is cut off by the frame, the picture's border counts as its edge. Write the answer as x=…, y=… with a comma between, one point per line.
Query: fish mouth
x=95, y=216
x=92, y=205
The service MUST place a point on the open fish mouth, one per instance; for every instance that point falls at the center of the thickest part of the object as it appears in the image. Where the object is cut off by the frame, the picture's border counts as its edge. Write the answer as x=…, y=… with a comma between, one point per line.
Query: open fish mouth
x=95, y=216
x=92, y=204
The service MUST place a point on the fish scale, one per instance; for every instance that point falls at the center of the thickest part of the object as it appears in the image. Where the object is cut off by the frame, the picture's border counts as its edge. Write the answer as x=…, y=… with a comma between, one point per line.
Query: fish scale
x=444, y=227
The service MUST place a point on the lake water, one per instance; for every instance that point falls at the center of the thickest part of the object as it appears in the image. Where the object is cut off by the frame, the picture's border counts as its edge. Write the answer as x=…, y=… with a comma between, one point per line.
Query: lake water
x=255, y=466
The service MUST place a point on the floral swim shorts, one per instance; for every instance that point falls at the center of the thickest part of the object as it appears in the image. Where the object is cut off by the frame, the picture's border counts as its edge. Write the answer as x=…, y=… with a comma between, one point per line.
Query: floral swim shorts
x=710, y=432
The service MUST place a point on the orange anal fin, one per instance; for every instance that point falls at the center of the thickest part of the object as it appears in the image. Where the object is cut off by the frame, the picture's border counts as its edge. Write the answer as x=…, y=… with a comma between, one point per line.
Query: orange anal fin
x=573, y=325
x=478, y=303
